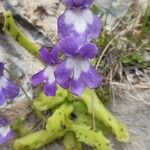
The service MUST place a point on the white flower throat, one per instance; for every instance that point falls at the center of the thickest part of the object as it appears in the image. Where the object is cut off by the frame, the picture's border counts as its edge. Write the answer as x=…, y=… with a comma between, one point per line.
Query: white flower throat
x=4, y=131
x=3, y=82
x=79, y=18
x=78, y=65
x=49, y=74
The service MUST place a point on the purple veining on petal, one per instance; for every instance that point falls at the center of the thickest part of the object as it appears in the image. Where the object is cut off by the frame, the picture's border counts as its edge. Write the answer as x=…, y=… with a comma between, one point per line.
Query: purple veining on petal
x=49, y=88
x=48, y=57
x=6, y=133
x=38, y=78
x=88, y=51
x=79, y=23
x=62, y=75
x=69, y=45
x=92, y=78
x=77, y=3
x=77, y=86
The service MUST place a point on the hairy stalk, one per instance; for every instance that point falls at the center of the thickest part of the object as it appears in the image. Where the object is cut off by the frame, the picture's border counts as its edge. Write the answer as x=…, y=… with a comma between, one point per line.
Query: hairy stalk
x=103, y=115
x=11, y=28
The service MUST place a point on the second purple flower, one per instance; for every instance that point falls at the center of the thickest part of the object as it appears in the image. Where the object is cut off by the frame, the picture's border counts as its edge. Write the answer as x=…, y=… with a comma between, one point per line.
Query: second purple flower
x=75, y=69
x=46, y=76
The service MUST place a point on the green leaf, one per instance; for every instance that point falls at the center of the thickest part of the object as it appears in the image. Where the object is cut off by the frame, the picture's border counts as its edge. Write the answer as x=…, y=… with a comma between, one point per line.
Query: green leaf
x=95, y=9
x=44, y=102
x=71, y=142
x=126, y=60
x=104, y=116
x=19, y=129
x=93, y=138
x=137, y=57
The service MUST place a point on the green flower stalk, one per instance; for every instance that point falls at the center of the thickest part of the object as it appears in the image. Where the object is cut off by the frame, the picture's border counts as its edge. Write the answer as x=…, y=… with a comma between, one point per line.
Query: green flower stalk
x=11, y=28
x=103, y=115
x=91, y=137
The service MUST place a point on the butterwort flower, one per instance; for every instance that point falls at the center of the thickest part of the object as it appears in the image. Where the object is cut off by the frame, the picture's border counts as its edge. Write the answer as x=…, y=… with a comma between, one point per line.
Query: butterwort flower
x=77, y=3
x=79, y=22
x=75, y=69
x=8, y=90
x=46, y=76
x=6, y=133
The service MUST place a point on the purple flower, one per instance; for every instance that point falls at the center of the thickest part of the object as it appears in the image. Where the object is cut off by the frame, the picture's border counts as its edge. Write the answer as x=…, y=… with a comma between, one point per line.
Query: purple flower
x=6, y=133
x=46, y=76
x=79, y=22
x=76, y=70
x=77, y=3
x=8, y=90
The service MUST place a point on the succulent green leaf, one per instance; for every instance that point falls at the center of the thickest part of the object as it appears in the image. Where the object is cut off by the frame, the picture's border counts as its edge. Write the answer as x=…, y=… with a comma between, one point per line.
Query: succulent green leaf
x=71, y=142
x=43, y=103
x=33, y=141
x=81, y=116
x=103, y=115
x=91, y=137
x=59, y=121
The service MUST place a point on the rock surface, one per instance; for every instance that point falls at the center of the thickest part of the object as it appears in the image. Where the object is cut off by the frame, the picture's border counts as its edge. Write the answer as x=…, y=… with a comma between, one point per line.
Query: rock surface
x=131, y=104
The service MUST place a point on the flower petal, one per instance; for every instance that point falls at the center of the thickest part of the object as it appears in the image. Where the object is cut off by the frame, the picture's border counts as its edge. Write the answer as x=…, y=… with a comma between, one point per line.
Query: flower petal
x=82, y=24
x=77, y=86
x=93, y=29
x=77, y=3
x=38, y=78
x=11, y=90
x=88, y=51
x=62, y=75
x=68, y=45
x=2, y=98
x=92, y=78
x=48, y=57
x=6, y=138
x=5, y=132
x=3, y=121
x=49, y=89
